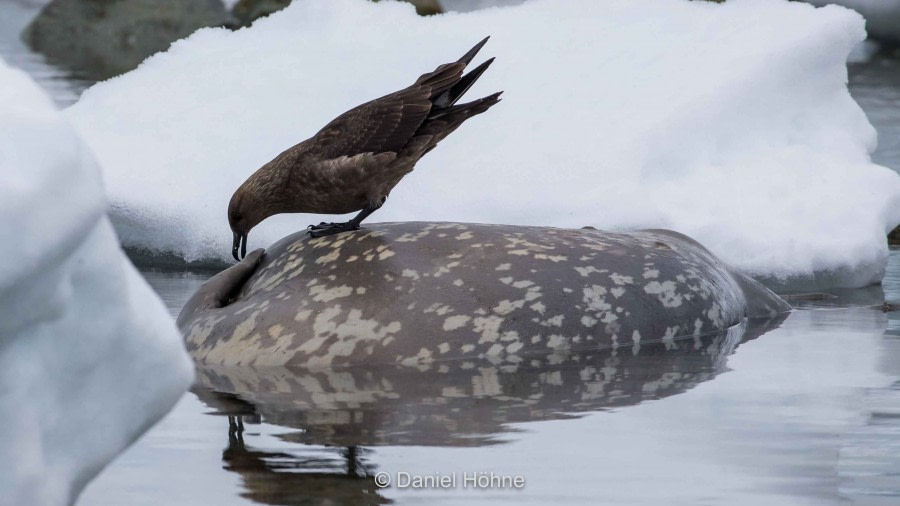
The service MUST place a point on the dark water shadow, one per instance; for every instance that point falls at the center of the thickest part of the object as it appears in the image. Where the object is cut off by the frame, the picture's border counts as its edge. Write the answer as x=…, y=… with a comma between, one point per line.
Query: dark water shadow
x=464, y=403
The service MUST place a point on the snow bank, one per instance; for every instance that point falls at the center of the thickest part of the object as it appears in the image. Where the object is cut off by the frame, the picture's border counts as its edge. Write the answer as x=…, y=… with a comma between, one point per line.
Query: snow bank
x=729, y=122
x=89, y=357
x=882, y=16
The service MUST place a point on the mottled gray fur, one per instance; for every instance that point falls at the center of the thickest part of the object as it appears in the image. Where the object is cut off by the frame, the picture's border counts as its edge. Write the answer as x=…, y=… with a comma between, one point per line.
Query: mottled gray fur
x=414, y=293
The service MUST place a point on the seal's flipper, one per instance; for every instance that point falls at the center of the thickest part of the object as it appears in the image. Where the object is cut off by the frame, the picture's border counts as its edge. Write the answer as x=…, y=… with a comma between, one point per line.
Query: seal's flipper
x=221, y=288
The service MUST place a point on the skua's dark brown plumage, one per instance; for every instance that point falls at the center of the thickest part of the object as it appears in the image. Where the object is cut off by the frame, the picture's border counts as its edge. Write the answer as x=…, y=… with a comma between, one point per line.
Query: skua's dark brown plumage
x=356, y=160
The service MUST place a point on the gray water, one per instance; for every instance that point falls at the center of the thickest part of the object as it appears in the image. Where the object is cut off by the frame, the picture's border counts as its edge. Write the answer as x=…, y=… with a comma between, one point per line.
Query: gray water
x=875, y=85
x=800, y=411
x=63, y=85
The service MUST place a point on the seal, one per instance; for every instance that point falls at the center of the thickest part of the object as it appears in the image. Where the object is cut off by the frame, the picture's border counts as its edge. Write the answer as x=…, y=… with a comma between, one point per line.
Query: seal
x=415, y=292
x=432, y=404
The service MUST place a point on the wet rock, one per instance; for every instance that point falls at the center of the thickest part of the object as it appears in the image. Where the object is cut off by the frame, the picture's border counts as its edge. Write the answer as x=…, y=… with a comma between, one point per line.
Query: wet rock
x=103, y=38
x=427, y=7
x=413, y=293
x=894, y=237
x=248, y=11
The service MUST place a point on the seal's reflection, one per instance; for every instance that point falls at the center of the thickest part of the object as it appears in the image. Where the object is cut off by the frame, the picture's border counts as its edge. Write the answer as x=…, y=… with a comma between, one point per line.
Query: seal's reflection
x=458, y=403
x=283, y=478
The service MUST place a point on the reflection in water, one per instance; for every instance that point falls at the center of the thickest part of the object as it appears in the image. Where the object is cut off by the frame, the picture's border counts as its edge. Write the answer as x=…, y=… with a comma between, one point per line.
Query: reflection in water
x=873, y=84
x=454, y=403
x=870, y=456
x=869, y=463
x=283, y=478
x=174, y=288
x=833, y=298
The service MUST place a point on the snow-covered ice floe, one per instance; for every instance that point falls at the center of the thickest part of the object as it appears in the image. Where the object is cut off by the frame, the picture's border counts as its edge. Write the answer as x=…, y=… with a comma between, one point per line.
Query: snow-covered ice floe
x=729, y=122
x=882, y=16
x=89, y=356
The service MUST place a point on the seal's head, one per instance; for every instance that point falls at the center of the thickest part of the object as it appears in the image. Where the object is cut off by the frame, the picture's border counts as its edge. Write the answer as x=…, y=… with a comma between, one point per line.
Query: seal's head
x=243, y=215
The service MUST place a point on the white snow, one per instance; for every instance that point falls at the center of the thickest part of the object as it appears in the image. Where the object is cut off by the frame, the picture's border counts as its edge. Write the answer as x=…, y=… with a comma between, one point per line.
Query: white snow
x=729, y=122
x=89, y=357
x=864, y=51
x=882, y=16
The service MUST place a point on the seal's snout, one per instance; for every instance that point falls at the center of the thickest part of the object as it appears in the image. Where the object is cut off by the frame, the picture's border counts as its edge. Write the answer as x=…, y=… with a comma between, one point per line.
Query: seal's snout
x=240, y=241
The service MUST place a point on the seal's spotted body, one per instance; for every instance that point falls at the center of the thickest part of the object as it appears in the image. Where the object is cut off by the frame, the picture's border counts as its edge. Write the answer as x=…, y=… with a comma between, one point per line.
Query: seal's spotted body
x=412, y=293
x=432, y=404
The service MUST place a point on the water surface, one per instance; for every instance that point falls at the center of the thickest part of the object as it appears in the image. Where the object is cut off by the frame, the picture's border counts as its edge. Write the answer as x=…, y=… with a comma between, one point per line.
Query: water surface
x=875, y=85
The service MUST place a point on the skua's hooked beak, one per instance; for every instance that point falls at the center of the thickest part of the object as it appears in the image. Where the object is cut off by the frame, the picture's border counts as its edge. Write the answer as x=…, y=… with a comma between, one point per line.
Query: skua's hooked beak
x=240, y=241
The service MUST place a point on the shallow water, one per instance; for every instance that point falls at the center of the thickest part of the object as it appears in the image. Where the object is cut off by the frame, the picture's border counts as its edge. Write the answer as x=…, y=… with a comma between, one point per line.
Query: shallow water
x=806, y=413
x=63, y=86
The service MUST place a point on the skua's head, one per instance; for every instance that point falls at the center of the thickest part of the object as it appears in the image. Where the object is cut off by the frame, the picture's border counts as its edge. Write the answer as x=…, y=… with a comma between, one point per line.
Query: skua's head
x=243, y=214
